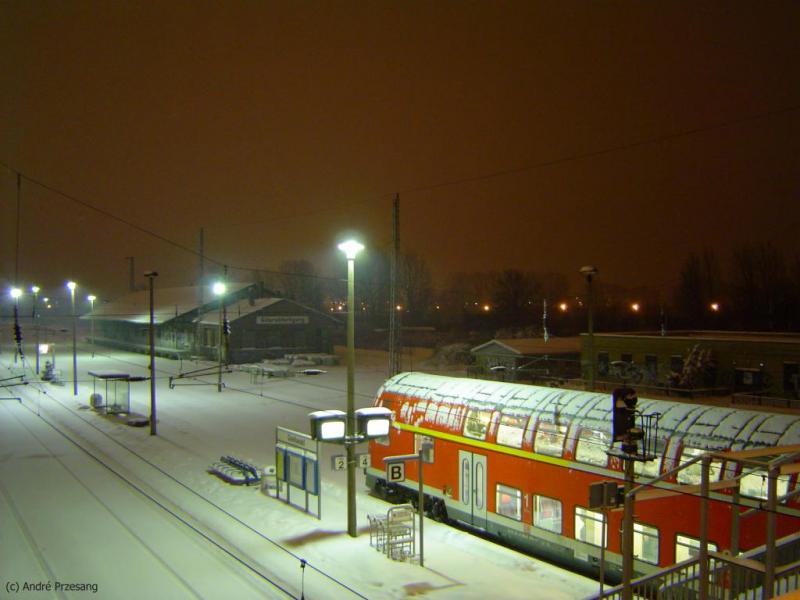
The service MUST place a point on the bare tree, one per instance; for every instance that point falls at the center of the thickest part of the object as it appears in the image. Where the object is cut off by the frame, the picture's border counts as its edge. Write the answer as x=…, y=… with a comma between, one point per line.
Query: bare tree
x=514, y=293
x=300, y=281
x=417, y=287
x=760, y=286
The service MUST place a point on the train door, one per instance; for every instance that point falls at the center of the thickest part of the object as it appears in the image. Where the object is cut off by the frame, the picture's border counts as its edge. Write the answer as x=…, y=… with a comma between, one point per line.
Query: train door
x=472, y=487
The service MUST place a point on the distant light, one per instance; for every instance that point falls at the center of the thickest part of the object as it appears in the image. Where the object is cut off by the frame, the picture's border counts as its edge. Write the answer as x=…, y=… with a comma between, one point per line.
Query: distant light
x=35, y=289
x=437, y=307
x=71, y=285
x=486, y=308
x=219, y=288
x=91, y=298
x=350, y=248
x=635, y=307
x=399, y=307
x=44, y=348
x=15, y=293
x=563, y=307
x=715, y=306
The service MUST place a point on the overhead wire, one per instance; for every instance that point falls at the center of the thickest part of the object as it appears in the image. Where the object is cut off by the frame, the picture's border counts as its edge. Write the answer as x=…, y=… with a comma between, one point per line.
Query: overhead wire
x=424, y=187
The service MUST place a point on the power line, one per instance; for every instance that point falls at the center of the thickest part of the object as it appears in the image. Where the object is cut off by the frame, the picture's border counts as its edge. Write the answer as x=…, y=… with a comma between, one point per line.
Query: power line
x=421, y=188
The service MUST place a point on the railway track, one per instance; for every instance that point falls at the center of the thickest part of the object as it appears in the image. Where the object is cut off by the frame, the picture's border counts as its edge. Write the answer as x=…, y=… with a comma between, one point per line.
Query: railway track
x=154, y=523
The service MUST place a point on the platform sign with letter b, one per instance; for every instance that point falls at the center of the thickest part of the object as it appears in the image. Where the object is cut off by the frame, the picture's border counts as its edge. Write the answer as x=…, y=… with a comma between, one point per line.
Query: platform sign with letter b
x=395, y=472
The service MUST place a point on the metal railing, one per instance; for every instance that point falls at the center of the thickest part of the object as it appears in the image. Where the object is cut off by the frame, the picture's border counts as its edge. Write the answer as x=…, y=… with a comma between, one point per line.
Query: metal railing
x=729, y=577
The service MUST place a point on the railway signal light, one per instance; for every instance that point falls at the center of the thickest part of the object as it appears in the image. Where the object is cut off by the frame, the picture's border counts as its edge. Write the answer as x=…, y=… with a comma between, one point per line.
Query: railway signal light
x=604, y=494
x=624, y=430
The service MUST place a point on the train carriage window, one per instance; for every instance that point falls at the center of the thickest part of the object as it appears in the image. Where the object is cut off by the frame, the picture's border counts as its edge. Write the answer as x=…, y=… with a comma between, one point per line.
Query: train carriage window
x=547, y=513
x=592, y=446
x=754, y=484
x=510, y=430
x=647, y=468
x=427, y=456
x=508, y=502
x=549, y=439
x=477, y=423
x=645, y=543
x=589, y=527
x=688, y=547
x=430, y=414
x=693, y=474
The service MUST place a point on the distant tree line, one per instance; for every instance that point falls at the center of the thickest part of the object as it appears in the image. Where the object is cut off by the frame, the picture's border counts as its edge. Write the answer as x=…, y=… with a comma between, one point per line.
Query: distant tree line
x=759, y=290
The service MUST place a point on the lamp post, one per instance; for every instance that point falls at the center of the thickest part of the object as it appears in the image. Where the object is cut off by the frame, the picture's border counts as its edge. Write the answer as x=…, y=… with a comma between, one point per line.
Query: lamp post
x=589, y=272
x=91, y=298
x=151, y=275
x=15, y=293
x=71, y=285
x=219, y=290
x=35, y=292
x=351, y=248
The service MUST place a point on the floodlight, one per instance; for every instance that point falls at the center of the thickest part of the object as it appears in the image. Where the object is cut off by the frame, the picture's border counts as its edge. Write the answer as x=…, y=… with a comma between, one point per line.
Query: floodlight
x=328, y=425
x=373, y=422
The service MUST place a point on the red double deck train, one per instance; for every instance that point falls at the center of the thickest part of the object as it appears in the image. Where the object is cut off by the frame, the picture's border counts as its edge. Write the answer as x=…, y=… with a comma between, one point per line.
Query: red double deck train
x=516, y=461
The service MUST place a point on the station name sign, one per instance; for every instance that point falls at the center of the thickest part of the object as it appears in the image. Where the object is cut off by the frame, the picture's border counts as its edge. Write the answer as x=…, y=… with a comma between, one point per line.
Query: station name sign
x=283, y=320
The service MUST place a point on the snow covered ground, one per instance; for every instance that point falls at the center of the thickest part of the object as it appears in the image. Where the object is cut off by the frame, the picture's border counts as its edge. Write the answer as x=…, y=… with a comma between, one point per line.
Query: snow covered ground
x=85, y=499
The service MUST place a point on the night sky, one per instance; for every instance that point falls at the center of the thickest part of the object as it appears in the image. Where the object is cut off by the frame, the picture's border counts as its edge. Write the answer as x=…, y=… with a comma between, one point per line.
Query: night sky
x=533, y=135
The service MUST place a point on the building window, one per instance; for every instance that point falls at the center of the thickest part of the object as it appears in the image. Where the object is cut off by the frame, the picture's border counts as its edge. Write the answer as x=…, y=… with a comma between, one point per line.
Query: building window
x=589, y=527
x=592, y=446
x=510, y=430
x=602, y=363
x=550, y=439
x=645, y=543
x=651, y=367
x=509, y=502
x=688, y=547
x=427, y=456
x=676, y=363
x=477, y=423
x=791, y=377
x=547, y=513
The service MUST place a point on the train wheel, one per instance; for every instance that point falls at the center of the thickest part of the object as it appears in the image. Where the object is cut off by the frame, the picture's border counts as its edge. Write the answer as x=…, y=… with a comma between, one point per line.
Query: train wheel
x=439, y=510
x=379, y=489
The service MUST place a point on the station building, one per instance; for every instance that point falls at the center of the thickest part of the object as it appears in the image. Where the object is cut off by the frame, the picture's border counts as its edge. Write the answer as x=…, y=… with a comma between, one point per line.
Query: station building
x=188, y=324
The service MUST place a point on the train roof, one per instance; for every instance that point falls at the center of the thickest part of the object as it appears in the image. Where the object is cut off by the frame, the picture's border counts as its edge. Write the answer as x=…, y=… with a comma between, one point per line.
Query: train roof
x=701, y=426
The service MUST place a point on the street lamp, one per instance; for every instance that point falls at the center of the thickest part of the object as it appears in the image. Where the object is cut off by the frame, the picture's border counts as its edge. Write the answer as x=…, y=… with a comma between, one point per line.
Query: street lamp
x=35, y=291
x=351, y=248
x=219, y=289
x=151, y=275
x=91, y=298
x=71, y=285
x=589, y=272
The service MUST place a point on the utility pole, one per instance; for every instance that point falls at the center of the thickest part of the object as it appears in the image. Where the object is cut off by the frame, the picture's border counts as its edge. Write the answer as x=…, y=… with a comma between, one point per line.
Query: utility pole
x=627, y=532
x=131, y=280
x=151, y=275
x=201, y=284
x=394, y=314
